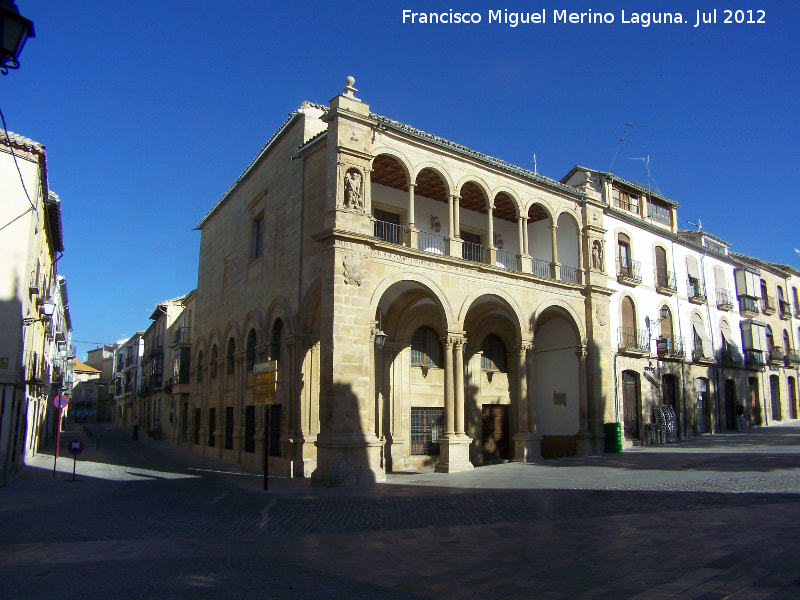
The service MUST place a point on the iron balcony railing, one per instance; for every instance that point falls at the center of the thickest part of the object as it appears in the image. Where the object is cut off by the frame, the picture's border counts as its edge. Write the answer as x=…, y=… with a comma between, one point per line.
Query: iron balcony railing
x=696, y=290
x=748, y=304
x=731, y=355
x=631, y=338
x=506, y=260
x=792, y=358
x=390, y=232
x=785, y=308
x=700, y=352
x=182, y=335
x=724, y=299
x=768, y=305
x=431, y=242
x=570, y=274
x=776, y=355
x=630, y=270
x=473, y=252
x=754, y=358
x=675, y=348
x=541, y=268
x=665, y=280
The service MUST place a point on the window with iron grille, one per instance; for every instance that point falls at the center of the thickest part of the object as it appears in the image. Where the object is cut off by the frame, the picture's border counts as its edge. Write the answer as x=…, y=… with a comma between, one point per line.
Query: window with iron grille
x=228, y=428
x=249, y=428
x=212, y=425
x=426, y=349
x=427, y=425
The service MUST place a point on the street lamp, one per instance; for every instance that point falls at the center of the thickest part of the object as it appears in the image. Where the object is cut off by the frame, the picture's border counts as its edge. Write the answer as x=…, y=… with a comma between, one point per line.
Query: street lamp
x=14, y=32
x=48, y=308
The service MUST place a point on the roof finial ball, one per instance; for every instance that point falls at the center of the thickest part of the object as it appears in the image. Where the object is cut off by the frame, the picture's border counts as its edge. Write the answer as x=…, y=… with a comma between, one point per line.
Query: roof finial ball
x=349, y=90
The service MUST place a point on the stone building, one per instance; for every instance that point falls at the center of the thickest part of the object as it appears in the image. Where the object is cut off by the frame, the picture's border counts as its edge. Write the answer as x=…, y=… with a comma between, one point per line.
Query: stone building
x=428, y=305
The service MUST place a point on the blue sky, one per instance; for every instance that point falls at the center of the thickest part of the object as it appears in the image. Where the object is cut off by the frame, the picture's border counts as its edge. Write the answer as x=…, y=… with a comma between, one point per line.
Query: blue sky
x=150, y=110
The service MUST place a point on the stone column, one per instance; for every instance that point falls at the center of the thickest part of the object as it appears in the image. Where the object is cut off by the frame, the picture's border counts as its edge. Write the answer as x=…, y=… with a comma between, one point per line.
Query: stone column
x=453, y=446
x=457, y=215
x=450, y=217
x=449, y=405
x=458, y=350
x=533, y=445
x=584, y=437
x=525, y=263
x=492, y=258
x=521, y=401
x=556, y=272
x=412, y=229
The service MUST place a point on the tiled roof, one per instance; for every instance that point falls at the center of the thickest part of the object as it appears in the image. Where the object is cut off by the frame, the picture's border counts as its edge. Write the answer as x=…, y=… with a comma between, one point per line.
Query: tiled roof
x=21, y=141
x=472, y=153
x=631, y=184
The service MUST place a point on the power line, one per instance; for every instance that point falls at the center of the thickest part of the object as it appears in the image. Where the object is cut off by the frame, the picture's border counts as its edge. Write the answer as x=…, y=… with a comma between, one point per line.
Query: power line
x=11, y=149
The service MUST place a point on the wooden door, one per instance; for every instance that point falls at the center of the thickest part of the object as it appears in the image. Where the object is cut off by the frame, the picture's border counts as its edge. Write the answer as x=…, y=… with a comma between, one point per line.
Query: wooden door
x=792, y=398
x=630, y=404
x=495, y=432
x=755, y=402
x=730, y=405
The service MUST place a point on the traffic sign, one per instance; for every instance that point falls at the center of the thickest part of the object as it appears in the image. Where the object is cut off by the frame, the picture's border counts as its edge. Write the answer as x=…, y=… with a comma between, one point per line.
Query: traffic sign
x=269, y=377
x=60, y=401
x=264, y=389
x=75, y=447
x=270, y=365
x=264, y=400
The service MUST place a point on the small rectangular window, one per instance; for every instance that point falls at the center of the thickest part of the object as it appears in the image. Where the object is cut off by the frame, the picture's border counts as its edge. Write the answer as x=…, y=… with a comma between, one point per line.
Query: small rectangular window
x=228, y=428
x=257, y=242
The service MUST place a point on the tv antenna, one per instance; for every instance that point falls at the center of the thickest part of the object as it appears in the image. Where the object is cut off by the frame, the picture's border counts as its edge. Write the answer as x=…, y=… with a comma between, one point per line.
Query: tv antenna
x=699, y=224
x=535, y=171
x=622, y=139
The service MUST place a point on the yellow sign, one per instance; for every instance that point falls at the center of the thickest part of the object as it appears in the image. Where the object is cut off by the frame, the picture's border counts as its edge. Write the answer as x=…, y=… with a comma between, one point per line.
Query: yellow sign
x=271, y=377
x=604, y=362
x=263, y=400
x=267, y=388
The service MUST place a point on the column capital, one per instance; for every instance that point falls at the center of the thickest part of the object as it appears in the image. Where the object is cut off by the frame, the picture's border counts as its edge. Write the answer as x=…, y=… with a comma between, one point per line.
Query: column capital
x=581, y=352
x=524, y=347
x=412, y=185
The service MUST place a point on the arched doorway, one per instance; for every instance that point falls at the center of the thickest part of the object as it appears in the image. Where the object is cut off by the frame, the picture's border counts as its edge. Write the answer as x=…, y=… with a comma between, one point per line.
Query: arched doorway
x=703, y=405
x=669, y=396
x=792, y=397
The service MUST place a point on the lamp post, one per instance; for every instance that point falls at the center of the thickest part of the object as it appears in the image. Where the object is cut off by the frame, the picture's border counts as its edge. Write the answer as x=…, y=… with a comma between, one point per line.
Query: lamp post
x=14, y=32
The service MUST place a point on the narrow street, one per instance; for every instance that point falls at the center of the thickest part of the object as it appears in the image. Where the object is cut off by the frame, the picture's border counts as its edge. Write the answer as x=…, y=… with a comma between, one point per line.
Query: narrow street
x=711, y=518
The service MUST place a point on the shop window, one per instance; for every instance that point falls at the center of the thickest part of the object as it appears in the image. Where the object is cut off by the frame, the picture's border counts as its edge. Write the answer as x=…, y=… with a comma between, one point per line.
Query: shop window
x=228, y=428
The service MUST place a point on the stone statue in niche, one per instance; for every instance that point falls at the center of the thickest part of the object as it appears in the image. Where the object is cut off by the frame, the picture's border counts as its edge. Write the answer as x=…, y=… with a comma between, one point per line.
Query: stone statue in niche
x=353, y=190
x=597, y=256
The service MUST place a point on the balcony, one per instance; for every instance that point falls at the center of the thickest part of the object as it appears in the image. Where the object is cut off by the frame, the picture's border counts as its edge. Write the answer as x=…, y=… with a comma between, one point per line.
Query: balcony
x=629, y=271
x=390, y=232
x=675, y=349
x=700, y=354
x=634, y=341
x=754, y=359
x=542, y=268
x=156, y=350
x=792, y=359
x=570, y=274
x=731, y=356
x=665, y=282
x=431, y=242
x=506, y=260
x=785, y=310
x=696, y=291
x=768, y=305
x=182, y=336
x=724, y=300
x=473, y=252
x=776, y=356
x=748, y=306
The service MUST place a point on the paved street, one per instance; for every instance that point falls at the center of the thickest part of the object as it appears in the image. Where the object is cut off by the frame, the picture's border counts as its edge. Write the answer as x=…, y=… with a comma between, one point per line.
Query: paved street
x=711, y=518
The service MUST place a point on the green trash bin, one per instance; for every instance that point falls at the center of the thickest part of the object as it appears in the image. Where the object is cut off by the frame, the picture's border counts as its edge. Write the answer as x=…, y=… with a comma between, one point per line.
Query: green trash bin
x=613, y=437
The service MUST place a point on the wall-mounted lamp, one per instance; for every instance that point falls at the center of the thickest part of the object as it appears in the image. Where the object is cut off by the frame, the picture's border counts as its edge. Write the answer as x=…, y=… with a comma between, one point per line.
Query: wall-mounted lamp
x=48, y=308
x=14, y=31
x=380, y=339
x=435, y=225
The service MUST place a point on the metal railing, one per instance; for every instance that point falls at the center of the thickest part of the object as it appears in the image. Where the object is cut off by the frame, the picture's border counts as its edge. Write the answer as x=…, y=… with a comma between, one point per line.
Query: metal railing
x=630, y=270
x=570, y=274
x=666, y=280
x=724, y=299
x=473, y=252
x=754, y=358
x=506, y=260
x=748, y=304
x=785, y=308
x=431, y=242
x=696, y=290
x=541, y=268
x=768, y=305
x=182, y=335
x=390, y=232
x=631, y=338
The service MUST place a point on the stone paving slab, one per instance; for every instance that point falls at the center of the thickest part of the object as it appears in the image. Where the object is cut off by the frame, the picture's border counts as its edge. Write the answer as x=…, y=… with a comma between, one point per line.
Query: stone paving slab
x=717, y=517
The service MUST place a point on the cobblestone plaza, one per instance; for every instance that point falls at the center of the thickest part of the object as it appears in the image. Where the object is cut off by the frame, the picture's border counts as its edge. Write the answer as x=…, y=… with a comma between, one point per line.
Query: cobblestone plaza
x=709, y=518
